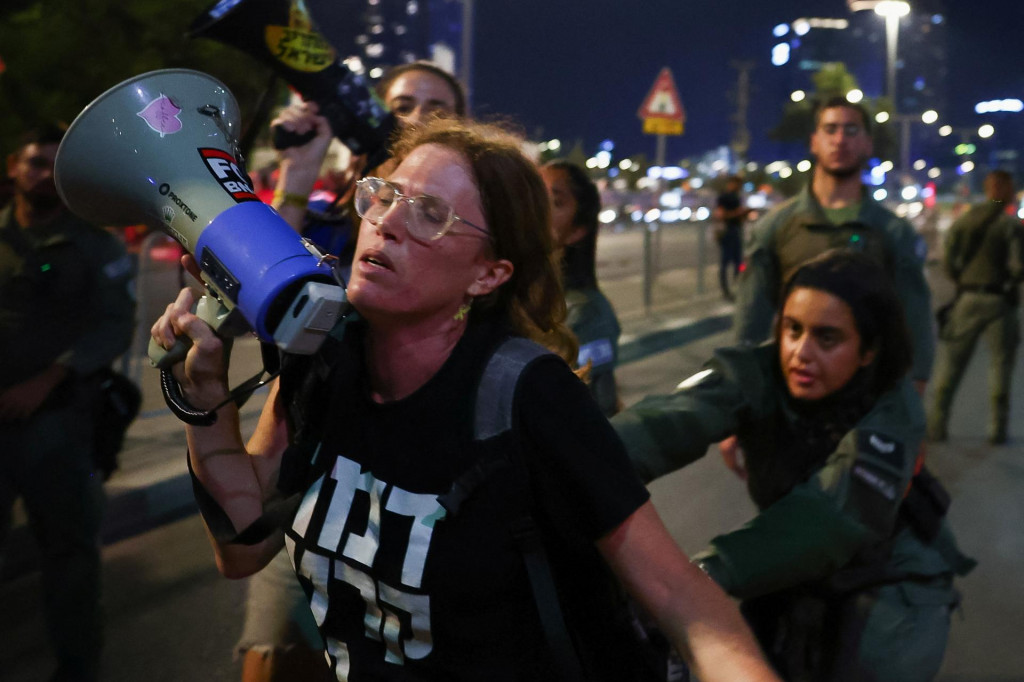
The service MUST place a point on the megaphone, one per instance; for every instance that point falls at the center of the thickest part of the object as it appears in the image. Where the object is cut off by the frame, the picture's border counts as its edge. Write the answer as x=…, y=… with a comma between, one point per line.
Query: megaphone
x=160, y=149
x=280, y=33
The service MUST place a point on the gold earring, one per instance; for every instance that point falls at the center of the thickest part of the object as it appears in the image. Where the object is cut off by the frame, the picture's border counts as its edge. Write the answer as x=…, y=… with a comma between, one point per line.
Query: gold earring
x=463, y=310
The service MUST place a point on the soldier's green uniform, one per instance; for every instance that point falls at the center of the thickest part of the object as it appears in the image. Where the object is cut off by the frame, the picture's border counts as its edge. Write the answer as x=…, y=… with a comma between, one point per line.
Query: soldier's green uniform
x=984, y=256
x=592, y=319
x=799, y=229
x=829, y=478
x=64, y=296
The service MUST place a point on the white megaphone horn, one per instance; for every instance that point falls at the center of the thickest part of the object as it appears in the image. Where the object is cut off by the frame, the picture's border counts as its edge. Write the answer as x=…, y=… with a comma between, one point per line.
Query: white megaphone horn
x=160, y=149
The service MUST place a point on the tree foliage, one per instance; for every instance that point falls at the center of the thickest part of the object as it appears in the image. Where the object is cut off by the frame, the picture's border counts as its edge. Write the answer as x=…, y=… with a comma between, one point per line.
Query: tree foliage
x=61, y=55
x=832, y=80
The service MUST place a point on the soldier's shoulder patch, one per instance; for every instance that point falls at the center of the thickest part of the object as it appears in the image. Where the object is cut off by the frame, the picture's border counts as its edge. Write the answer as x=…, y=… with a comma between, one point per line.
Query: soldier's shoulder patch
x=874, y=478
x=702, y=378
x=881, y=446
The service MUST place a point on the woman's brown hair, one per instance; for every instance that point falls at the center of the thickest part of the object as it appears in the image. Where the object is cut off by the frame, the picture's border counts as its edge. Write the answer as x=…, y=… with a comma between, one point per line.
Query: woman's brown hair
x=517, y=211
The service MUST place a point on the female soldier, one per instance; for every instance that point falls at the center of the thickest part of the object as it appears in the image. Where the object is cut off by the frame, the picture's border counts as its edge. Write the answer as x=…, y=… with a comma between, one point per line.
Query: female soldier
x=846, y=572
x=454, y=257
x=575, y=203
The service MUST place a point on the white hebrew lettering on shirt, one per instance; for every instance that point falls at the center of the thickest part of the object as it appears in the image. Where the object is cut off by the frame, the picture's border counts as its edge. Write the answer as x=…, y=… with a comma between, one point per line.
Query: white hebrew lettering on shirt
x=364, y=583
x=339, y=650
x=361, y=548
x=315, y=568
x=384, y=604
x=418, y=608
x=425, y=511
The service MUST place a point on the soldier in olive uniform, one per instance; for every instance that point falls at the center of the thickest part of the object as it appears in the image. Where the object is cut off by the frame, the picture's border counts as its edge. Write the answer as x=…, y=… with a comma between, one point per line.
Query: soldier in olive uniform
x=66, y=312
x=846, y=573
x=575, y=204
x=984, y=256
x=835, y=210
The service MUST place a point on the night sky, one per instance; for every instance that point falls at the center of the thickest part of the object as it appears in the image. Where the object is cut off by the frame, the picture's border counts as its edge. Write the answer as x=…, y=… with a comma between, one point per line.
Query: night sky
x=579, y=69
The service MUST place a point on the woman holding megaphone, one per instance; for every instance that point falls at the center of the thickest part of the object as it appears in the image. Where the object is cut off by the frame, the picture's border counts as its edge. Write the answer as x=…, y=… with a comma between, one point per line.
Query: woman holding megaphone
x=432, y=508
x=279, y=641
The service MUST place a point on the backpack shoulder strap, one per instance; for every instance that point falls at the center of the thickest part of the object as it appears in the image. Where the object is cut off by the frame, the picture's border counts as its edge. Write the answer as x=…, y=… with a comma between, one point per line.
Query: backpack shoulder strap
x=494, y=415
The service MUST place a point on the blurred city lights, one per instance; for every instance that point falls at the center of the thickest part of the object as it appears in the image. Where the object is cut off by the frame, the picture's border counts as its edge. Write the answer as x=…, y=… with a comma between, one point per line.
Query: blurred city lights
x=591, y=162
x=908, y=193
x=930, y=116
x=854, y=96
x=780, y=30
x=880, y=194
x=934, y=173
x=801, y=27
x=685, y=213
x=607, y=146
x=652, y=215
x=555, y=144
x=670, y=200
x=697, y=183
x=702, y=213
x=882, y=116
x=780, y=54
x=798, y=95
x=886, y=166
x=965, y=167
x=920, y=164
x=945, y=131
x=607, y=216
x=1013, y=106
x=896, y=8
x=804, y=166
x=625, y=164
x=604, y=159
x=986, y=130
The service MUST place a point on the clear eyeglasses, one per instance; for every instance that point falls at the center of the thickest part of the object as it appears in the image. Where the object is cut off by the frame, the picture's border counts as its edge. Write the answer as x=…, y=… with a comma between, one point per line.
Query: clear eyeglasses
x=429, y=219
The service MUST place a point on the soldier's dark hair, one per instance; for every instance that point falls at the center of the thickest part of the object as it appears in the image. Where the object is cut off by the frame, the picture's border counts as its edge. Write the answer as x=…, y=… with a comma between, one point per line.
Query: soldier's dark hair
x=458, y=92
x=860, y=282
x=838, y=101
x=579, y=259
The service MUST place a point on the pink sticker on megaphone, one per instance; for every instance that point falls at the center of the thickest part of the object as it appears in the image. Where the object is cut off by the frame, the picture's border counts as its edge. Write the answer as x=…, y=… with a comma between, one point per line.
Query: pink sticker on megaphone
x=162, y=116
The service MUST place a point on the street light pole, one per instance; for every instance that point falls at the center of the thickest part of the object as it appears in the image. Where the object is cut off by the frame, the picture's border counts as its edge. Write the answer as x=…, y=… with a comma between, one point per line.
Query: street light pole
x=892, y=10
x=466, y=67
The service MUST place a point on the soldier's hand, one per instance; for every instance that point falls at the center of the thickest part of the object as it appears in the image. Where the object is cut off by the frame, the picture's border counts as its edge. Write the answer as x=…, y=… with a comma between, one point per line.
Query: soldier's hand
x=732, y=455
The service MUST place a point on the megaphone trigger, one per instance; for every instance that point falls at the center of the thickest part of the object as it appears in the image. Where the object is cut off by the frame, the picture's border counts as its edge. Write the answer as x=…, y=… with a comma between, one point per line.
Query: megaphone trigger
x=284, y=138
x=165, y=358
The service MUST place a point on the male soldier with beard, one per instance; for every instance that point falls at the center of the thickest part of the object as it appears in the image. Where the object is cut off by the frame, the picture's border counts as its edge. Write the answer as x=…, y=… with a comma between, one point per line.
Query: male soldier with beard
x=66, y=312
x=834, y=210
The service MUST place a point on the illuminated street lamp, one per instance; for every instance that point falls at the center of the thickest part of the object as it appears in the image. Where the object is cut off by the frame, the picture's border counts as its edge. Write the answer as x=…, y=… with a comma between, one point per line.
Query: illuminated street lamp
x=892, y=10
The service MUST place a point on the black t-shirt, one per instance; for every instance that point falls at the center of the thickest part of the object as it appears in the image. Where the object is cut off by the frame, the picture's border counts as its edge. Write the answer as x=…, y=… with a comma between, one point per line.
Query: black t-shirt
x=406, y=592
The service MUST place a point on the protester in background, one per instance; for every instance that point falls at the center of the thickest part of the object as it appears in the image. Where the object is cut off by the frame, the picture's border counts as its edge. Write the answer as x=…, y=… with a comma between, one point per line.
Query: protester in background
x=413, y=577
x=575, y=204
x=66, y=312
x=730, y=214
x=280, y=641
x=847, y=571
x=984, y=256
x=415, y=93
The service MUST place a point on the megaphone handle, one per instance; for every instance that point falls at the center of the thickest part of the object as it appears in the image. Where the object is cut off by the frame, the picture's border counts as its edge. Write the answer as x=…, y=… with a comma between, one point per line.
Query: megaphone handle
x=163, y=359
x=282, y=138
